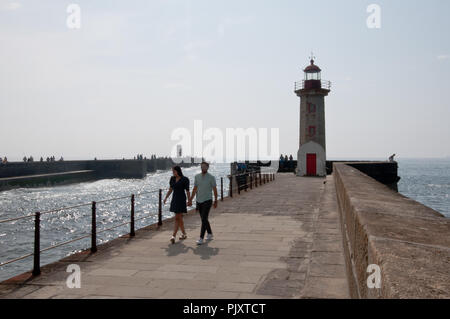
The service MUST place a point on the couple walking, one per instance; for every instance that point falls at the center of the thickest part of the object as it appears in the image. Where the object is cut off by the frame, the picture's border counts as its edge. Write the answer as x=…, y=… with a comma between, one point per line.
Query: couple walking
x=204, y=185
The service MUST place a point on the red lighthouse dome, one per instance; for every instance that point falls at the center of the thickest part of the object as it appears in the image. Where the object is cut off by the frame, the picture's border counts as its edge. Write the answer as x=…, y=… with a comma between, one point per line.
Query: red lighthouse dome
x=312, y=68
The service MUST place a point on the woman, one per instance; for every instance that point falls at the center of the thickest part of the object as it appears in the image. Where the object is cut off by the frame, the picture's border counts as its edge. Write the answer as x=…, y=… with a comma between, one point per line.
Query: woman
x=179, y=184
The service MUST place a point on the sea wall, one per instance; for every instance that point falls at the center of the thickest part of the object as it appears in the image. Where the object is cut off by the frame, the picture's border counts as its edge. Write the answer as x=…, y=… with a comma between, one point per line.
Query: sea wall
x=33, y=174
x=407, y=240
x=16, y=169
x=118, y=168
x=103, y=168
x=47, y=179
x=384, y=172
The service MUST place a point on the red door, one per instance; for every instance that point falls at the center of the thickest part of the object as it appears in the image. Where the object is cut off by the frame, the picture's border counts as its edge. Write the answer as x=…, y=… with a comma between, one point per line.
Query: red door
x=311, y=165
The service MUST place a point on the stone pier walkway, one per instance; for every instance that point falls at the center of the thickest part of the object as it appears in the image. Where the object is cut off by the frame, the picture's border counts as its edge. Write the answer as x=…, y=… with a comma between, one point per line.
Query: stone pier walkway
x=280, y=240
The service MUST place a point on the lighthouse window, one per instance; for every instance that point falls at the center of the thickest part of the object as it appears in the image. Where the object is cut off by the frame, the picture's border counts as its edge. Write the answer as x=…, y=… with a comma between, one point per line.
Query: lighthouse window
x=311, y=131
x=311, y=108
x=313, y=76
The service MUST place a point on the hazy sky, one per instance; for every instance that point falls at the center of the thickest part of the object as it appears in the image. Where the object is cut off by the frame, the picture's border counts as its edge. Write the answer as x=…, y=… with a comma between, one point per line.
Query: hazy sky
x=136, y=70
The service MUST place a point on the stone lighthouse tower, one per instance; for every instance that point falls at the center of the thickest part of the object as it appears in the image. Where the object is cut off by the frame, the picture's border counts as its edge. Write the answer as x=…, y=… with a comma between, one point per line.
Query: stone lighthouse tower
x=312, y=152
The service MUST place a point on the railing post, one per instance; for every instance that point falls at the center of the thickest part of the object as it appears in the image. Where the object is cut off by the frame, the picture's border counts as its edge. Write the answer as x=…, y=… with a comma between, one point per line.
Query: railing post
x=37, y=244
x=94, y=228
x=238, y=187
x=251, y=180
x=246, y=183
x=231, y=186
x=160, y=208
x=260, y=179
x=221, y=189
x=256, y=179
x=132, y=233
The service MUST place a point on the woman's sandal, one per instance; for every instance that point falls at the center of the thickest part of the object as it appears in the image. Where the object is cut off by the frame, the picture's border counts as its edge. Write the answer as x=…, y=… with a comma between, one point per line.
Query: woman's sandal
x=172, y=240
x=182, y=237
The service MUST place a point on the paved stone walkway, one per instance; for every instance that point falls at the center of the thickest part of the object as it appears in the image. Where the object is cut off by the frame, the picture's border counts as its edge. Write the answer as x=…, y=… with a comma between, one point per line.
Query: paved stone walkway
x=280, y=240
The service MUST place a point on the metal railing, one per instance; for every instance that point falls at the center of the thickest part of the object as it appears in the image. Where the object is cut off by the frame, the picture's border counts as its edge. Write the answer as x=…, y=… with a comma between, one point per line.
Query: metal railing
x=253, y=179
x=300, y=85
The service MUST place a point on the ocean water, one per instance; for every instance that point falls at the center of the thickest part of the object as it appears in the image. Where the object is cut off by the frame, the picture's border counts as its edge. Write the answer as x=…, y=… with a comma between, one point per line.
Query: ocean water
x=17, y=237
x=426, y=181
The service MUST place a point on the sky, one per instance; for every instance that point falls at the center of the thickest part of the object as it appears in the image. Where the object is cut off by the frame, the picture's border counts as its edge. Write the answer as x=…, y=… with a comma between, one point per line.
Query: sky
x=137, y=70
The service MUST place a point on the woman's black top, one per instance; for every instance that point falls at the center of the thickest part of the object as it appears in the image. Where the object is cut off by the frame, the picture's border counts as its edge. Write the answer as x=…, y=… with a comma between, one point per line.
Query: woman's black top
x=178, y=203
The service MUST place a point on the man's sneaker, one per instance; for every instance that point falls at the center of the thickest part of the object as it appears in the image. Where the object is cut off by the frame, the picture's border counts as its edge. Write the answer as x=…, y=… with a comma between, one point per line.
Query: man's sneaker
x=172, y=240
x=200, y=241
x=209, y=237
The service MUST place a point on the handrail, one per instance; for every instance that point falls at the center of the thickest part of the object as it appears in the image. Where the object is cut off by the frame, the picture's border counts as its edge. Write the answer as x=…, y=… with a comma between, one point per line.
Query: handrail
x=16, y=259
x=63, y=208
x=300, y=85
x=36, y=270
x=65, y=243
x=16, y=218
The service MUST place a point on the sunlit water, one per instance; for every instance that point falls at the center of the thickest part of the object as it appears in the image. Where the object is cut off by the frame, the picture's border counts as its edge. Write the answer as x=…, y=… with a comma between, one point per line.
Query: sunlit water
x=17, y=238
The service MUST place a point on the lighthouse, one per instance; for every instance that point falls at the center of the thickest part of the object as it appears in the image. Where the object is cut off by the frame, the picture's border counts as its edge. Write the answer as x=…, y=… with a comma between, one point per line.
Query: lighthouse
x=311, y=156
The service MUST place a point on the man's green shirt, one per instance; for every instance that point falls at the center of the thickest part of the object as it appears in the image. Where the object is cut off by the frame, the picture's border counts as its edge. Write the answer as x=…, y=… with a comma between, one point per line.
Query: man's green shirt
x=205, y=184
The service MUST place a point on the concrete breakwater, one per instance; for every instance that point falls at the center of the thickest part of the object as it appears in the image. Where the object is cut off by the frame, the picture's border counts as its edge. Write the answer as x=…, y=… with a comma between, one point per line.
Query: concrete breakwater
x=384, y=172
x=409, y=242
x=34, y=174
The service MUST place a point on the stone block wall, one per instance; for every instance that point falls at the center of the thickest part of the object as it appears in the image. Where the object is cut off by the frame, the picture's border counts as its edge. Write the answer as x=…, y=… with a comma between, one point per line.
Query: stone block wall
x=410, y=242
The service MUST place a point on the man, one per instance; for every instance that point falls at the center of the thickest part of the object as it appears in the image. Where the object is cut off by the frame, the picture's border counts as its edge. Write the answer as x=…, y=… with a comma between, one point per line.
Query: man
x=204, y=184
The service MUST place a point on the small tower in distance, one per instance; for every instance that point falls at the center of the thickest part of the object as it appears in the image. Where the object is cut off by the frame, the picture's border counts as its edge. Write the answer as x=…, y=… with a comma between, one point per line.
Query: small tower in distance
x=311, y=156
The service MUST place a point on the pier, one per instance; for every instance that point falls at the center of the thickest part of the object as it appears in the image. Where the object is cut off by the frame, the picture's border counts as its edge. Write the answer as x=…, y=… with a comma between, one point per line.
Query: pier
x=279, y=240
x=283, y=237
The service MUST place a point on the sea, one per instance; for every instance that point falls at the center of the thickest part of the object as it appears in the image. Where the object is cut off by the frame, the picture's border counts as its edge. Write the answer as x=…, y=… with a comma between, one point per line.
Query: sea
x=424, y=180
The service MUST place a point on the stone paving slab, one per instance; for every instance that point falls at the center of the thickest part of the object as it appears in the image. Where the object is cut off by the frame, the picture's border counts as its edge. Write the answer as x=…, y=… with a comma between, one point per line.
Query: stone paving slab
x=280, y=240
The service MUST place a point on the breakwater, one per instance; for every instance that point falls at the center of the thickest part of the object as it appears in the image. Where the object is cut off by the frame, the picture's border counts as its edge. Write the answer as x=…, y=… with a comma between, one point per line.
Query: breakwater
x=382, y=171
x=409, y=242
x=35, y=174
